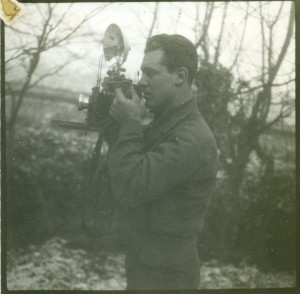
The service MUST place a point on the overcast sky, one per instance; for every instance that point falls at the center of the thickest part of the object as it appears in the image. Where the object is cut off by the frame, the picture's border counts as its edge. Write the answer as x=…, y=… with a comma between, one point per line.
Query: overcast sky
x=135, y=18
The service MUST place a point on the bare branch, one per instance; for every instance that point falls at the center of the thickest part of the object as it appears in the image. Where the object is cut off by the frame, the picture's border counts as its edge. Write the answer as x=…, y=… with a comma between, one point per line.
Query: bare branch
x=263, y=44
x=48, y=74
x=261, y=86
x=153, y=20
x=283, y=114
x=206, y=22
x=15, y=56
x=217, y=52
x=19, y=31
x=277, y=16
x=275, y=68
x=54, y=42
x=242, y=38
x=60, y=20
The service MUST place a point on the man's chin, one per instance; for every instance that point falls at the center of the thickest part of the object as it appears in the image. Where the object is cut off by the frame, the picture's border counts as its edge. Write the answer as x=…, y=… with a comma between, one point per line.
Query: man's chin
x=149, y=107
x=153, y=109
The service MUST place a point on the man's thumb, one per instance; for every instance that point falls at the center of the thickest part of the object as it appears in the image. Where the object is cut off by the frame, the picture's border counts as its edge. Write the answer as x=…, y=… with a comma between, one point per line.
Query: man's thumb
x=134, y=95
x=119, y=94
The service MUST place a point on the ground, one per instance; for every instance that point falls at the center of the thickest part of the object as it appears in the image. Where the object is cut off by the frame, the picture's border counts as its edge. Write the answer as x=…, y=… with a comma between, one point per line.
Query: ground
x=56, y=266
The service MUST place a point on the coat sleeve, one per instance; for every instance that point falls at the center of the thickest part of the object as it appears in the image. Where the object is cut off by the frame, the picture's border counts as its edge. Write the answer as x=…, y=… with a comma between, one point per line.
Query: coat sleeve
x=138, y=176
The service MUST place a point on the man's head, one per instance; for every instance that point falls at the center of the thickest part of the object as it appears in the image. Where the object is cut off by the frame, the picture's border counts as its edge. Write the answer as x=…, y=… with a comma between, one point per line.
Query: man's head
x=169, y=66
x=179, y=52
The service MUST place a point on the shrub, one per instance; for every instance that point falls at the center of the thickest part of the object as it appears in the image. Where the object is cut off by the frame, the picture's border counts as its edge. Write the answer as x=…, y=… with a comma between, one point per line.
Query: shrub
x=49, y=165
x=270, y=220
x=264, y=231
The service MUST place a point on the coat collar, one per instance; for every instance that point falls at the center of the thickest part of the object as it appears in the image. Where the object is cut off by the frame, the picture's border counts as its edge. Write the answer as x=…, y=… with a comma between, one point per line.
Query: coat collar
x=168, y=119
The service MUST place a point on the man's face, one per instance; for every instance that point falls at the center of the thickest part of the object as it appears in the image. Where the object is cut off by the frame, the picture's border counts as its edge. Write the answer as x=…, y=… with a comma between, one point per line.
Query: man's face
x=157, y=83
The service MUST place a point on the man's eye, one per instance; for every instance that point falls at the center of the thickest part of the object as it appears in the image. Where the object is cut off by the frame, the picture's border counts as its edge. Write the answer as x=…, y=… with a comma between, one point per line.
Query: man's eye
x=151, y=73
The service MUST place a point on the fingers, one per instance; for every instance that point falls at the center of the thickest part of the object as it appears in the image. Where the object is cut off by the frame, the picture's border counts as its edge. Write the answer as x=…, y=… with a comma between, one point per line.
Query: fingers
x=107, y=84
x=115, y=113
x=134, y=96
x=119, y=95
x=118, y=100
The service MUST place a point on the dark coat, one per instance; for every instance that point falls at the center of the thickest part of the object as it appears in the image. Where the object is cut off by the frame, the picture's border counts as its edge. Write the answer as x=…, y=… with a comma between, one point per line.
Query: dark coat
x=163, y=177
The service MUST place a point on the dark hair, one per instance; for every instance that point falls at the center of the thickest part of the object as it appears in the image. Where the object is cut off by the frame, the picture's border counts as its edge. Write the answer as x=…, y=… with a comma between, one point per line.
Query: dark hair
x=179, y=52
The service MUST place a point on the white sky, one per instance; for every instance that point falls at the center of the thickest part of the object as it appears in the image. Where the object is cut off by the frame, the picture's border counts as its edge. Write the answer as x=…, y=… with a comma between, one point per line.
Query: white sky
x=134, y=18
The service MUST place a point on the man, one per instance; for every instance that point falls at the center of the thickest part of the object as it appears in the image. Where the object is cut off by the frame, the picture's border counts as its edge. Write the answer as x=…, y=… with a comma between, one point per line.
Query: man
x=162, y=176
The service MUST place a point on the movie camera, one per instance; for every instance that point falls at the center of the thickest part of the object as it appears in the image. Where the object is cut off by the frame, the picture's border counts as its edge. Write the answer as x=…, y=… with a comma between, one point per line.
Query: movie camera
x=97, y=105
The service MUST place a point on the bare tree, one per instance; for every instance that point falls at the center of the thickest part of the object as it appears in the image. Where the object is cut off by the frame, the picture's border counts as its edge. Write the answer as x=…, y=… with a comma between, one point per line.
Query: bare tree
x=260, y=99
x=253, y=104
x=32, y=41
x=51, y=33
x=45, y=40
x=257, y=103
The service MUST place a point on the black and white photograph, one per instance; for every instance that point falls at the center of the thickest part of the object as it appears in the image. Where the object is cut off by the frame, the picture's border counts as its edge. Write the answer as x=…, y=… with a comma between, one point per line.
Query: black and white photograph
x=149, y=146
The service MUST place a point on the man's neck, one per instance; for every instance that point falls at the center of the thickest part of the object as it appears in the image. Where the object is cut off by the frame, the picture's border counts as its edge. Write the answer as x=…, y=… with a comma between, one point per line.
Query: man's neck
x=180, y=98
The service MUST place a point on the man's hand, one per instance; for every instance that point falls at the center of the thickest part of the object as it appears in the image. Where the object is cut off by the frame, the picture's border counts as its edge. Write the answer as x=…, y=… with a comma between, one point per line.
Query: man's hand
x=123, y=109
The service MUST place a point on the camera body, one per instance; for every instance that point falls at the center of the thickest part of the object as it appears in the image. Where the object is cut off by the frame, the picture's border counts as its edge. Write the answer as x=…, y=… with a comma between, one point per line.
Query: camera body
x=100, y=101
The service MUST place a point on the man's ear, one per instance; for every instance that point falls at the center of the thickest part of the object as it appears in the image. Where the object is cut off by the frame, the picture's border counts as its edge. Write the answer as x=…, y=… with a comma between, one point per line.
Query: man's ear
x=181, y=75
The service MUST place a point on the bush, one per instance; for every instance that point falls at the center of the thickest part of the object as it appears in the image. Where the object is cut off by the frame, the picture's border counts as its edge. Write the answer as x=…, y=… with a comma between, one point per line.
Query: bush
x=271, y=220
x=49, y=166
x=264, y=232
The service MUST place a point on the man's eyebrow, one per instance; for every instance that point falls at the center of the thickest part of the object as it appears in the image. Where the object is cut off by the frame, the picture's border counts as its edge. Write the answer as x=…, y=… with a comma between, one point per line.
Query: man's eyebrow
x=149, y=68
